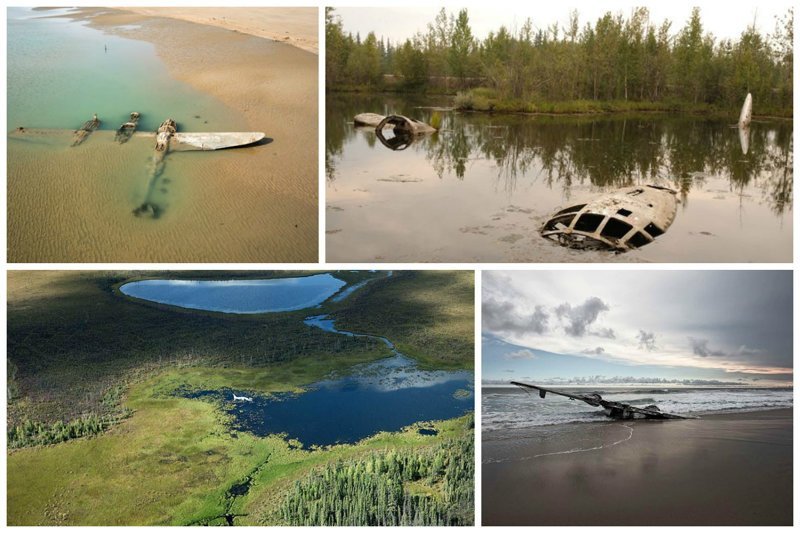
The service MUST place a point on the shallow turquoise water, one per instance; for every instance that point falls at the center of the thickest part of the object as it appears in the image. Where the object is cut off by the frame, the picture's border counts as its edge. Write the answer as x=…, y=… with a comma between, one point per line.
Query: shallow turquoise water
x=238, y=296
x=61, y=71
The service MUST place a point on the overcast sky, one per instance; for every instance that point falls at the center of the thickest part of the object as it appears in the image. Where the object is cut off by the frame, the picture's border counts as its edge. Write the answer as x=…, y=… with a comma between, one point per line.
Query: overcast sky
x=399, y=23
x=712, y=325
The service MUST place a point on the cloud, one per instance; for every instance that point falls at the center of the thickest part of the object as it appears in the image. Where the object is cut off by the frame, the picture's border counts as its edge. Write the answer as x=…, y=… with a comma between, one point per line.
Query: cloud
x=745, y=351
x=627, y=380
x=580, y=317
x=596, y=351
x=521, y=354
x=700, y=347
x=605, y=333
x=647, y=340
x=503, y=316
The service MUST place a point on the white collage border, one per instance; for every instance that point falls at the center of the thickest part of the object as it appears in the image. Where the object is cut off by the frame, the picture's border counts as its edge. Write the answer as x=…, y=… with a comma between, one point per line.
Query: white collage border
x=477, y=268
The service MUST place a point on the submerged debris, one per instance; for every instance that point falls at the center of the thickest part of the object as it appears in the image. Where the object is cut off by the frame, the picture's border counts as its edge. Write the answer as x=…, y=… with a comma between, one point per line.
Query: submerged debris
x=618, y=410
x=81, y=134
x=623, y=220
x=126, y=131
x=405, y=129
x=147, y=209
x=402, y=124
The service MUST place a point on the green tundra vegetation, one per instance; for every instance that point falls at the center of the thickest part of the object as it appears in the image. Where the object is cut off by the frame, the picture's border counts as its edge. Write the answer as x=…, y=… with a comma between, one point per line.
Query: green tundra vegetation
x=617, y=63
x=97, y=435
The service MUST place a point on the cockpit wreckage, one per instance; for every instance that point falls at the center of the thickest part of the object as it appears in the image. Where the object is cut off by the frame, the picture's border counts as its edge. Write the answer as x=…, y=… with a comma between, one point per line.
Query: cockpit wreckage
x=623, y=220
x=616, y=410
x=167, y=139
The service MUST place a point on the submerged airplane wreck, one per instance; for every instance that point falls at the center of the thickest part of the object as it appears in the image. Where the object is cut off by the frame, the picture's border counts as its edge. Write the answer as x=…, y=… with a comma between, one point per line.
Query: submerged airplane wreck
x=405, y=129
x=616, y=410
x=620, y=221
x=167, y=139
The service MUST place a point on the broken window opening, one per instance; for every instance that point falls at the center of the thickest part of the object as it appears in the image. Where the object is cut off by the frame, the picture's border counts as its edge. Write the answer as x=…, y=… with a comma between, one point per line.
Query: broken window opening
x=559, y=223
x=589, y=222
x=653, y=230
x=638, y=240
x=624, y=212
x=615, y=229
x=571, y=209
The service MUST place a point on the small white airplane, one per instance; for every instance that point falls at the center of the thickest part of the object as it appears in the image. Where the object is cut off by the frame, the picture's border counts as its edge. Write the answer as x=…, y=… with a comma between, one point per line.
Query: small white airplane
x=241, y=398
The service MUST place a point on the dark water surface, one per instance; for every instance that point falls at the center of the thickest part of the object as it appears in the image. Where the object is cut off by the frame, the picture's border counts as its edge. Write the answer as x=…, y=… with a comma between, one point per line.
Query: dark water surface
x=480, y=189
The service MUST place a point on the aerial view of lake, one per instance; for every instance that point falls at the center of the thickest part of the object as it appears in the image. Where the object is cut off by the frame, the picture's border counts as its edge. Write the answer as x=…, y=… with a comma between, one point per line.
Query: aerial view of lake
x=238, y=296
x=481, y=188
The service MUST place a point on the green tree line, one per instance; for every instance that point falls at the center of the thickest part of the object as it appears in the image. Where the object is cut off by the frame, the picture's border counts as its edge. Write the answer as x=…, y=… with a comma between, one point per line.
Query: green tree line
x=429, y=487
x=617, y=58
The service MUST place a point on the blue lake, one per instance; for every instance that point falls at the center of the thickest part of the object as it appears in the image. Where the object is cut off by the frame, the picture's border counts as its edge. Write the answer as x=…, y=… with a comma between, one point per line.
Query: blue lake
x=238, y=296
x=386, y=395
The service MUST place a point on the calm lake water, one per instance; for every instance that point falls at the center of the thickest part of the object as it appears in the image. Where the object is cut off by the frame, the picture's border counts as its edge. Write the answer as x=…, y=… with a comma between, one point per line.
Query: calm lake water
x=480, y=189
x=238, y=296
x=384, y=395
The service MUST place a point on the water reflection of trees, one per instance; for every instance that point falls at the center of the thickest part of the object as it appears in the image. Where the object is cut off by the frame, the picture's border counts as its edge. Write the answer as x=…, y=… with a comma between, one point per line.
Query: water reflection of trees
x=604, y=152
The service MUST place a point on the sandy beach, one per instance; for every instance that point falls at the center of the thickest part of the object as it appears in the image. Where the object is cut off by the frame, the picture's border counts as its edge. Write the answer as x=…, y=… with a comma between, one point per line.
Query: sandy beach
x=293, y=25
x=255, y=204
x=731, y=469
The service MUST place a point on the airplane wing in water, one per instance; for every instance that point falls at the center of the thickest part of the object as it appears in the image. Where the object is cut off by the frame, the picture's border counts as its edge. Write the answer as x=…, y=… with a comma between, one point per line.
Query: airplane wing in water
x=591, y=399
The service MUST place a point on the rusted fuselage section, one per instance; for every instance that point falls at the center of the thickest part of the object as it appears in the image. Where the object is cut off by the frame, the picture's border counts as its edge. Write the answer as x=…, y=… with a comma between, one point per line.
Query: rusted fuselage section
x=620, y=221
x=616, y=410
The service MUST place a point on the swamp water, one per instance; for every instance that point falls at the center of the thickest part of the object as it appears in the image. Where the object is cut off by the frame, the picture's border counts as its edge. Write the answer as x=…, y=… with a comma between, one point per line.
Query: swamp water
x=384, y=395
x=481, y=188
x=68, y=204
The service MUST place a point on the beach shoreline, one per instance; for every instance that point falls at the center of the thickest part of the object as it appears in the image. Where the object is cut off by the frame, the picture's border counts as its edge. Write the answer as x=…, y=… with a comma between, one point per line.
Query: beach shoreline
x=721, y=469
x=296, y=26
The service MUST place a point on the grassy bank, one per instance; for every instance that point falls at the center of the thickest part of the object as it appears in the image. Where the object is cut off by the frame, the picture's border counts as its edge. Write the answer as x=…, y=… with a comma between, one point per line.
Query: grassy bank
x=428, y=314
x=486, y=100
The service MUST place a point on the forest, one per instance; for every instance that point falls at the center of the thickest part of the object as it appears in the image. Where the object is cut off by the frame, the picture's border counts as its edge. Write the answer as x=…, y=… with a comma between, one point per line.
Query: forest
x=424, y=487
x=626, y=63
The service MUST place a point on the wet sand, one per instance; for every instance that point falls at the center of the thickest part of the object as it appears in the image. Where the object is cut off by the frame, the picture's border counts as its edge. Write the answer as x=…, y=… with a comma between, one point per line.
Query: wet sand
x=733, y=469
x=293, y=25
x=255, y=204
